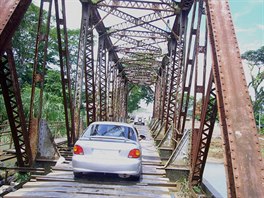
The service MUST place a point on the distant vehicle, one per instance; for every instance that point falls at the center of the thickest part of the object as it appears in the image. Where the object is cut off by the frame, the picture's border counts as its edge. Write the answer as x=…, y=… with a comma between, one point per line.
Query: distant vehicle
x=139, y=121
x=108, y=147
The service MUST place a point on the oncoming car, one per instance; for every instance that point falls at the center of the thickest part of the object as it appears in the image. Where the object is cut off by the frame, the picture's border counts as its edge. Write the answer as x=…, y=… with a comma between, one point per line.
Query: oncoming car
x=108, y=147
x=139, y=121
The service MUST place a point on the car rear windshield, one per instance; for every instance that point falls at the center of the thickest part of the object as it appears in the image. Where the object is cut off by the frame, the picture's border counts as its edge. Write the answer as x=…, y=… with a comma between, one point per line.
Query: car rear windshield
x=110, y=131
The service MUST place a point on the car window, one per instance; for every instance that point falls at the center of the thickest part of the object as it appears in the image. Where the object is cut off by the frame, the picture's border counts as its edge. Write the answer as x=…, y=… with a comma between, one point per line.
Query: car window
x=110, y=130
x=131, y=134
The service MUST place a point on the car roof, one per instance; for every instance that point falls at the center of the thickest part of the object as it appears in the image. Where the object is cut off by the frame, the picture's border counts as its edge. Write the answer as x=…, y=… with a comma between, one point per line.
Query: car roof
x=113, y=123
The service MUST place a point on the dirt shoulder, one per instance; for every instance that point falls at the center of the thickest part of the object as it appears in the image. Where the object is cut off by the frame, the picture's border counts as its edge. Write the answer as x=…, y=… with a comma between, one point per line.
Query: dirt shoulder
x=216, y=151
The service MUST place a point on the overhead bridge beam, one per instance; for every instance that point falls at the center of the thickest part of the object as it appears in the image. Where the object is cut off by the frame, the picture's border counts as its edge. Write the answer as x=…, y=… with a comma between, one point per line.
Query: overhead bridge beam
x=140, y=34
x=142, y=5
x=134, y=20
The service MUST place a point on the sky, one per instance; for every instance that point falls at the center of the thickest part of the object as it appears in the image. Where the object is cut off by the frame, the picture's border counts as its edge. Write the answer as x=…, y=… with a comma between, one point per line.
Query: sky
x=248, y=19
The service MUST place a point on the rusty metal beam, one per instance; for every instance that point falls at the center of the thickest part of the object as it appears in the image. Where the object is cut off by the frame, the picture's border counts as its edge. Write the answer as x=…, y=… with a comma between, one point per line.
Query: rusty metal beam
x=101, y=81
x=39, y=68
x=146, y=43
x=85, y=69
x=135, y=50
x=65, y=68
x=90, y=77
x=244, y=164
x=189, y=67
x=201, y=140
x=140, y=34
x=183, y=4
x=165, y=88
x=144, y=22
x=12, y=12
x=110, y=87
x=133, y=20
x=142, y=5
x=156, y=105
x=176, y=64
x=117, y=85
x=123, y=100
x=14, y=108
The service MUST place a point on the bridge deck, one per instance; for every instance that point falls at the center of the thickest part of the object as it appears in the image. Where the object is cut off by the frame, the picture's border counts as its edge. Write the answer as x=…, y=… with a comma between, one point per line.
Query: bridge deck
x=60, y=182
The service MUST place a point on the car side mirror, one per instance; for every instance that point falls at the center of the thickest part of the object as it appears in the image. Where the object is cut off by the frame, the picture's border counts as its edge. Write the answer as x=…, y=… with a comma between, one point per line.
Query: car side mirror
x=142, y=137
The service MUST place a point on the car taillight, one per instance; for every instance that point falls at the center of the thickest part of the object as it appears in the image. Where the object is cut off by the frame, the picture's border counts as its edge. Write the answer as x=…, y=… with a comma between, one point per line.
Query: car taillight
x=78, y=150
x=135, y=153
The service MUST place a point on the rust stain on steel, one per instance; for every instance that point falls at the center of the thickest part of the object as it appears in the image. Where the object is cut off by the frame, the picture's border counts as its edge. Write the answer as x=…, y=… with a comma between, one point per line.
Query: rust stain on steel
x=236, y=107
x=12, y=12
x=33, y=136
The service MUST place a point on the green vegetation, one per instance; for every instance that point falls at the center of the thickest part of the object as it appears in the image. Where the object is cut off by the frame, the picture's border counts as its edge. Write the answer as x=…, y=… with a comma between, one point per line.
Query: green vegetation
x=197, y=189
x=22, y=177
x=24, y=51
x=138, y=93
x=255, y=60
x=183, y=186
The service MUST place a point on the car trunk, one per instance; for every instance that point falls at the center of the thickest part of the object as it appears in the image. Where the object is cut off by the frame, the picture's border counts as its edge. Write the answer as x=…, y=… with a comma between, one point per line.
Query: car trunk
x=107, y=148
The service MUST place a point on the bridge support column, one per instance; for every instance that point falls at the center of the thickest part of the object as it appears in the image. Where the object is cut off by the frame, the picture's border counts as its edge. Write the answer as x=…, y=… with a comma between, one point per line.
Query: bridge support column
x=101, y=81
x=85, y=69
x=11, y=92
x=244, y=164
x=65, y=69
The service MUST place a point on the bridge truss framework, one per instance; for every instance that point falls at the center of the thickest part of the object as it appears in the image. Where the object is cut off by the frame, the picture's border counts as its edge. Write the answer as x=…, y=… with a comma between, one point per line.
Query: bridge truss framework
x=201, y=42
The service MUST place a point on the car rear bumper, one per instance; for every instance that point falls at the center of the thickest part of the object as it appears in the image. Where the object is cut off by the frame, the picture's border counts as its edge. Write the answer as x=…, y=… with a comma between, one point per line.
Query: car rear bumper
x=81, y=163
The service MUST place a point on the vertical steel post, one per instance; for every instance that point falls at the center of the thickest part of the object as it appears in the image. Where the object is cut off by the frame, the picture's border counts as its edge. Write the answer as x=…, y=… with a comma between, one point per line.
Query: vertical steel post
x=189, y=70
x=156, y=105
x=123, y=100
x=200, y=146
x=39, y=68
x=90, y=73
x=85, y=65
x=101, y=80
x=176, y=56
x=165, y=88
x=110, y=87
x=11, y=93
x=244, y=164
x=65, y=69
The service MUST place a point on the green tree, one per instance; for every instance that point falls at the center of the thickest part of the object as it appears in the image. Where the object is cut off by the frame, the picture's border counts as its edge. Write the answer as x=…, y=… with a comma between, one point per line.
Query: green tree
x=24, y=42
x=138, y=93
x=255, y=62
x=24, y=51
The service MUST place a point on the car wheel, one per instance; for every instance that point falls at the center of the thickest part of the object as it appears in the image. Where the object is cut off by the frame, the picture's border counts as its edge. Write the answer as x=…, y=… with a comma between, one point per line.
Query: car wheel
x=77, y=174
x=134, y=178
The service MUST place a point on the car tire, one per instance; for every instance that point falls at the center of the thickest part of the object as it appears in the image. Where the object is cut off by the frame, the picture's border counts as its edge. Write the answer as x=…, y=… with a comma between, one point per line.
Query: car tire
x=77, y=175
x=134, y=178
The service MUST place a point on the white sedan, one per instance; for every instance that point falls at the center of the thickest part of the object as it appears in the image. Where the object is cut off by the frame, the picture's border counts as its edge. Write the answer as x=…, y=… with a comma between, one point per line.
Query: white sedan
x=108, y=147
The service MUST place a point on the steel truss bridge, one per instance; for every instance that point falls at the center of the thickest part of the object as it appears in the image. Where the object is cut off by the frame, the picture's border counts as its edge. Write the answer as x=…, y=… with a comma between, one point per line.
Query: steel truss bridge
x=197, y=54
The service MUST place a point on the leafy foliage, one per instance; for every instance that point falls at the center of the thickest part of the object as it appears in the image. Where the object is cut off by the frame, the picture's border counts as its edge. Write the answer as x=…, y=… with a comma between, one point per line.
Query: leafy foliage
x=138, y=93
x=24, y=43
x=255, y=60
x=22, y=177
